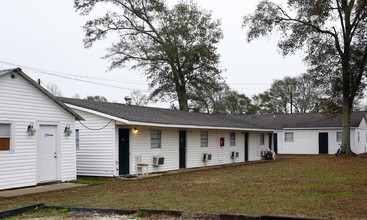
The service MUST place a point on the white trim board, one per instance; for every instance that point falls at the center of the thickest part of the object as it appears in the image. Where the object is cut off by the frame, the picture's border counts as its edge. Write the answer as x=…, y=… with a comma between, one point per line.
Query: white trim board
x=98, y=113
x=317, y=128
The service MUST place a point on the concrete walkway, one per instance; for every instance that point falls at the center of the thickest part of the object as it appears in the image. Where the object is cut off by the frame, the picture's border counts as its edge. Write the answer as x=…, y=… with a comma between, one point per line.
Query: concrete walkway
x=38, y=189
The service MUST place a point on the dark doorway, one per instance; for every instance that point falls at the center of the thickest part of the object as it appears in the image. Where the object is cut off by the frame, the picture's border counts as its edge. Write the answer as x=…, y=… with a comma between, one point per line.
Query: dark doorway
x=323, y=143
x=275, y=143
x=182, y=139
x=246, y=146
x=270, y=140
x=124, y=153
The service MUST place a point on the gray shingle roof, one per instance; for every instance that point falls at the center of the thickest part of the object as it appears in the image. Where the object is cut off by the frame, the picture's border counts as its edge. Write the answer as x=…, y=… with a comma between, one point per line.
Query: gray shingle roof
x=162, y=116
x=177, y=117
x=306, y=120
x=44, y=91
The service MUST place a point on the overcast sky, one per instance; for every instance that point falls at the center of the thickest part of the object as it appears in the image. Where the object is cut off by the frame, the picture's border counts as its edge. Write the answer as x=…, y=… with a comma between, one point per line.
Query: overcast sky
x=44, y=36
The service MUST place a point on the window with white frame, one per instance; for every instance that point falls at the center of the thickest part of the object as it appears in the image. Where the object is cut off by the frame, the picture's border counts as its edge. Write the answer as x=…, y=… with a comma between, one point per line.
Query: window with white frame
x=5, y=137
x=203, y=139
x=232, y=139
x=155, y=138
x=339, y=136
x=262, y=138
x=77, y=139
x=289, y=137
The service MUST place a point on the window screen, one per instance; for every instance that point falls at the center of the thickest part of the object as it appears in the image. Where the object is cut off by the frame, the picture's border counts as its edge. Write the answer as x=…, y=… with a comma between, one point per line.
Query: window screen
x=77, y=139
x=232, y=139
x=203, y=138
x=155, y=138
x=289, y=137
x=4, y=137
x=339, y=136
x=262, y=138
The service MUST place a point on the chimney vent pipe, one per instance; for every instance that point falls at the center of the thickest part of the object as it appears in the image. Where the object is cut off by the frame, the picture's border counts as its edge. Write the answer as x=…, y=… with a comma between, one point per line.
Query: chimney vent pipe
x=127, y=101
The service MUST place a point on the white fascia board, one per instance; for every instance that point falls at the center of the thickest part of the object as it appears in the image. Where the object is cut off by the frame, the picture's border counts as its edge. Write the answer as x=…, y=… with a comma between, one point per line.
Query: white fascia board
x=318, y=128
x=98, y=113
x=194, y=126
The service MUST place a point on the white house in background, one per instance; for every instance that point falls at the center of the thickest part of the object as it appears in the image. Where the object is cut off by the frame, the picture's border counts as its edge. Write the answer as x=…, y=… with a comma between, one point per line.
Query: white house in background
x=313, y=133
x=34, y=148
x=115, y=139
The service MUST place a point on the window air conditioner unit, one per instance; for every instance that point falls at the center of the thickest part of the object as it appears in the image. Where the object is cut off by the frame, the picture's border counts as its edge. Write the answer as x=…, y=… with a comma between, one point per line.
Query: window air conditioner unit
x=263, y=153
x=157, y=161
x=207, y=157
x=235, y=154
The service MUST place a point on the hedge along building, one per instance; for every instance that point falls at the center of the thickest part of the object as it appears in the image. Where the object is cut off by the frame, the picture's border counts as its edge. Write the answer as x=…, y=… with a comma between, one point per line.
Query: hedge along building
x=116, y=138
x=313, y=133
x=34, y=146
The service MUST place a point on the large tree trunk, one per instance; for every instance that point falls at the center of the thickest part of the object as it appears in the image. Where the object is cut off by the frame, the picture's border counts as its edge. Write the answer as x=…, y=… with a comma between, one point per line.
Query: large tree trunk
x=183, y=103
x=347, y=100
x=347, y=104
x=346, y=149
x=182, y=98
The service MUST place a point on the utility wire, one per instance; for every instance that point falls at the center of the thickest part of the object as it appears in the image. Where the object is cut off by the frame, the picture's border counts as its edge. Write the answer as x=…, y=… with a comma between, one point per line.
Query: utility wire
x=95, y=129
x=74, y=75
x=57, y=74
x=71, y=78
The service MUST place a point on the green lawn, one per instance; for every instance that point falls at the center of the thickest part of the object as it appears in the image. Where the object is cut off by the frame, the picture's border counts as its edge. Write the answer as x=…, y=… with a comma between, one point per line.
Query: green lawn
x=297, y=186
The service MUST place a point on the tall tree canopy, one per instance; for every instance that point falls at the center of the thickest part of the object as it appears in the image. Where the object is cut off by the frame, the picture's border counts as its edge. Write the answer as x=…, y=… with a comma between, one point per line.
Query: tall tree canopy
x=289, y=95
x=333, y=35
x=177, y=47
x=96, y=98
x=139, y=98
x=222, y=100
x=54, y=89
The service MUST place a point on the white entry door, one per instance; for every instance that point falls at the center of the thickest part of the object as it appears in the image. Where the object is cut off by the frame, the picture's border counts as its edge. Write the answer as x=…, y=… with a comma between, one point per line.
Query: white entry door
x=47, y=153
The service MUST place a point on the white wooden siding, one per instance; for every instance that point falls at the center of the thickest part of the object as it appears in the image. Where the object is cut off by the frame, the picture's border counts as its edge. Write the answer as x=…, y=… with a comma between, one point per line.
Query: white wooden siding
x=140, y=146
x=254, y=145
x=307, y=141
x=96, y=154
x=221, y=155
x=22, y=103
x=360, y=146
x=101, y=148
x=304, y=142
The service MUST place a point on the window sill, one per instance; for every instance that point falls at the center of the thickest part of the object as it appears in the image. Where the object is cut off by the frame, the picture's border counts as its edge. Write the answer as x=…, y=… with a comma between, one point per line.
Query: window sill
x=7, y=152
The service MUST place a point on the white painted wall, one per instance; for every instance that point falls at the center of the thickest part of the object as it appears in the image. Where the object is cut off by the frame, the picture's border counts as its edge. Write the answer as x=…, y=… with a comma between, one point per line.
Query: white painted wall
x=222, y=155
x=254, y=145
x=96, y=155
x=140, y=146
x=20, y=104
x=307, y=141
x=359, y=146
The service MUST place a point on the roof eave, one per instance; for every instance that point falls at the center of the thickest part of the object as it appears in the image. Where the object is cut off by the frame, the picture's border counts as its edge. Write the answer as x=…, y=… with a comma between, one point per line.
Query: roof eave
x=124, y=121
x=141, y=123
x=317, y=128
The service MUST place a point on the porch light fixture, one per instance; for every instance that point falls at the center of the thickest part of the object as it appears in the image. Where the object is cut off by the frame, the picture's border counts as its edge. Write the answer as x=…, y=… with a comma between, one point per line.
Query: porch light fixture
x=67, y=130
x=135, y=130
x=31, y=130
